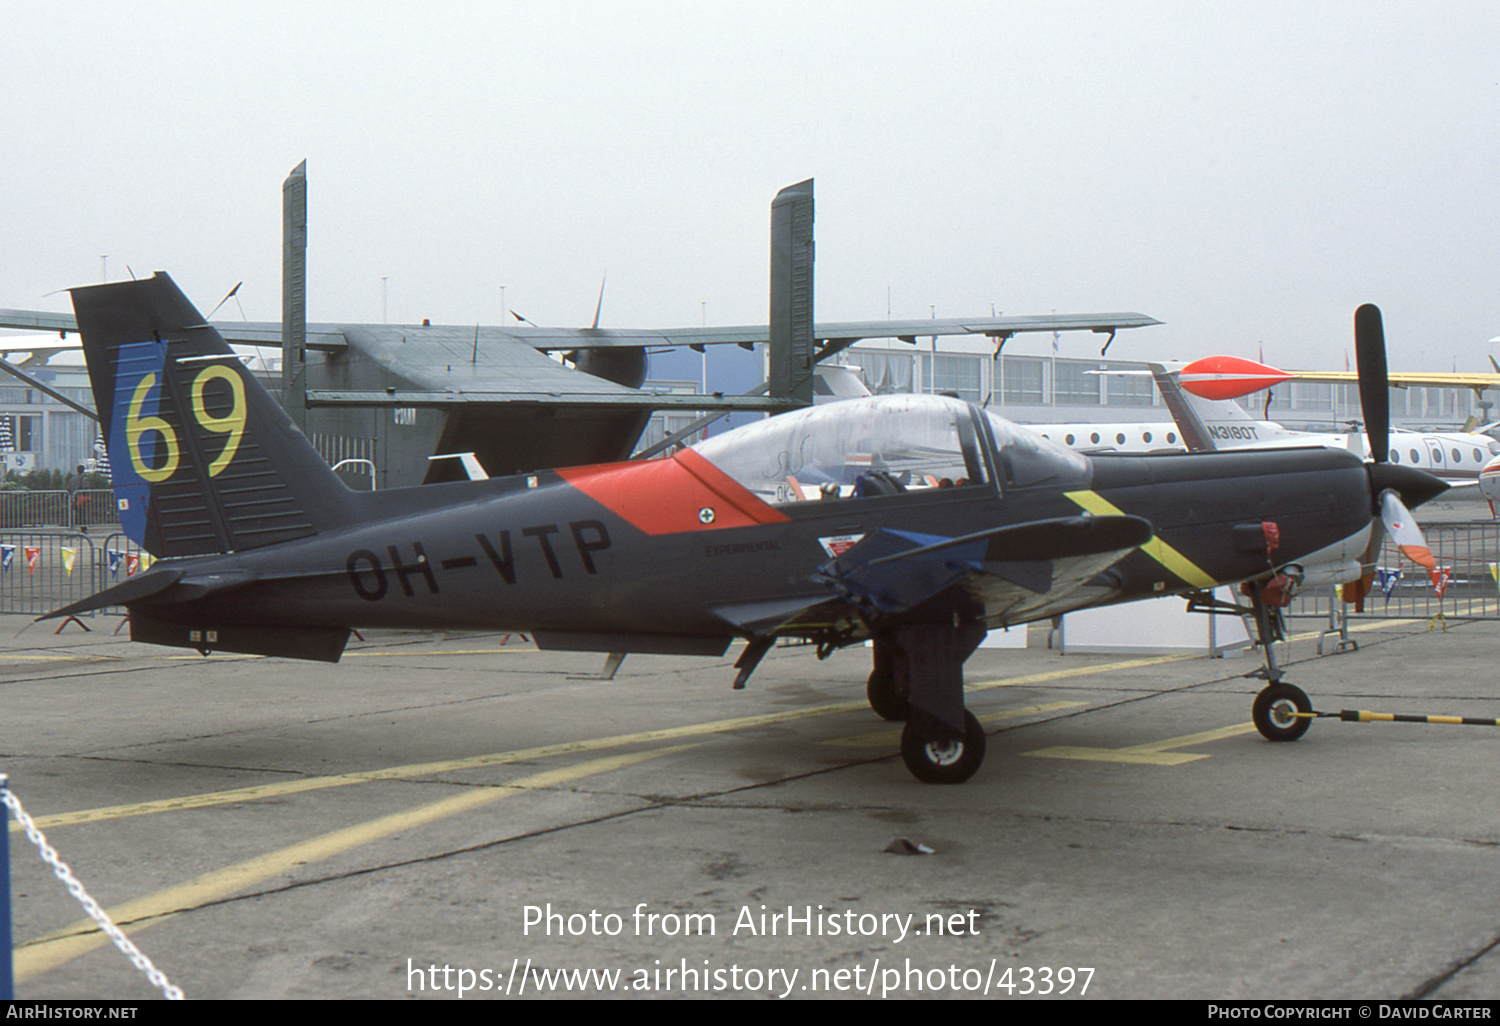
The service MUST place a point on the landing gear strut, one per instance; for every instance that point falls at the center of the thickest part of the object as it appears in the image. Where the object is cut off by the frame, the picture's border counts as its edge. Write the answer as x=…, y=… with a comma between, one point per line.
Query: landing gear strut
x=1276, y=707
x=919, y=677
x=890, y=681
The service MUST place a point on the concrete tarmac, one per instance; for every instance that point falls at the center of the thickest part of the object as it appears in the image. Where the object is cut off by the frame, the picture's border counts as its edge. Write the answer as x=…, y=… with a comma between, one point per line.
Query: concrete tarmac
x=464, y=817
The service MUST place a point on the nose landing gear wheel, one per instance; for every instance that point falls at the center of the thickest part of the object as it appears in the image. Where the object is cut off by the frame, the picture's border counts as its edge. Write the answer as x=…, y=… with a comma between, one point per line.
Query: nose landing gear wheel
x=944, y=760
x=1275, y=712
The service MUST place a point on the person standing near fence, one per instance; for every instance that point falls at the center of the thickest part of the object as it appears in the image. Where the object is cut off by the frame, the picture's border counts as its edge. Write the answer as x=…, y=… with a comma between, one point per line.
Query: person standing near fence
x=76, y=498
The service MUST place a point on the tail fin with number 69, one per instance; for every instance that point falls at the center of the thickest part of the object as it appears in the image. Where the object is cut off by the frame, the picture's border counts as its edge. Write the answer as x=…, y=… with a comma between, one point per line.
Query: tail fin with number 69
x=204, y=460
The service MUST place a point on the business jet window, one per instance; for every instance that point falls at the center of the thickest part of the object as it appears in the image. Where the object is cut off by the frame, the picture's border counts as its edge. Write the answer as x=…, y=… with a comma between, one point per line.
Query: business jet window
x=1024, y=458
x=886, y=445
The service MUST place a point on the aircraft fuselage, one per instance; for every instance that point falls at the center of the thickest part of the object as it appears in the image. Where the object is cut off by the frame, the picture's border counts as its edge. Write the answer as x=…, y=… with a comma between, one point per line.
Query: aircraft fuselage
x=669, y=571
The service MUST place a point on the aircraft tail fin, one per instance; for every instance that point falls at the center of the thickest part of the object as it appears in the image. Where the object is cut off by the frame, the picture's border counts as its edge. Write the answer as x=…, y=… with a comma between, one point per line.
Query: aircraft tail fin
x=790, y=349
x=204, y=459
x=1195, y=434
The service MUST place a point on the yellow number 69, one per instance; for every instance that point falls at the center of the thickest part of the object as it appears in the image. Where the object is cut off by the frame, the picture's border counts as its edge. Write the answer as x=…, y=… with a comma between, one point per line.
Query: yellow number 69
x=136, y=426
x=231, y=424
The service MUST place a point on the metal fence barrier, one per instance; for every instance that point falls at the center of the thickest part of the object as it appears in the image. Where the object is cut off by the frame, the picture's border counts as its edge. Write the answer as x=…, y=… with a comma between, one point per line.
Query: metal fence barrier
x=92, y=507
x=1469, y=550
x=45, y=569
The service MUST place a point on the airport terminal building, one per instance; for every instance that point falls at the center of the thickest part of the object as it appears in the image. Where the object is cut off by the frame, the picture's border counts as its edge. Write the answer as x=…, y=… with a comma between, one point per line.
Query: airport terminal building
x=1031, y=385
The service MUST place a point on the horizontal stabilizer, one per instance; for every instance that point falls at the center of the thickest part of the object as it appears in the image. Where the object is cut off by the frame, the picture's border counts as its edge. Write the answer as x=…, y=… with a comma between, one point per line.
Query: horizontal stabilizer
x=161, y=587
x=134, y=589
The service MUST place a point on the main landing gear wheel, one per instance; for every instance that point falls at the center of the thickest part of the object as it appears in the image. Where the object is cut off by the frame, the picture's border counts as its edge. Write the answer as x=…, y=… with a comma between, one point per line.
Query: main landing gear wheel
x=1275, y=712
x=886, y=698
x=945, y=761
x=888, y=687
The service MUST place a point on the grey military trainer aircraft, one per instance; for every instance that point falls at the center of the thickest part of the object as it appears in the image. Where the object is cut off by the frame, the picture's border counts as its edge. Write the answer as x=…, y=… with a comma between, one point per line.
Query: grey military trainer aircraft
x=916, y=522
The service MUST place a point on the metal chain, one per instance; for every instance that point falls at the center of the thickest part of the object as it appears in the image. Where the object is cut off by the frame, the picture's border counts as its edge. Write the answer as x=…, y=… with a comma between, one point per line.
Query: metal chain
x=62, y=872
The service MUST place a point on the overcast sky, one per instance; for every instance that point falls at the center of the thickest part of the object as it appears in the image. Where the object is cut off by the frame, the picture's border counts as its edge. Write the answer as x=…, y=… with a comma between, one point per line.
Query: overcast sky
x=1247, y=173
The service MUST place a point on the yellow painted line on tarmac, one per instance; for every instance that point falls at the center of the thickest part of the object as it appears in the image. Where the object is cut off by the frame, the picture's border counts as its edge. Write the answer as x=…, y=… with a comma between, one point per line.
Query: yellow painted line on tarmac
x=1085, y=671
x=1373, y=625
x=45, y=953
x=262, y=791
x=366, y=653
x=892, y=736
x=19, y=657
x=1153, y=753
x=244, y=794
x=1158, y=753
x=236, y=657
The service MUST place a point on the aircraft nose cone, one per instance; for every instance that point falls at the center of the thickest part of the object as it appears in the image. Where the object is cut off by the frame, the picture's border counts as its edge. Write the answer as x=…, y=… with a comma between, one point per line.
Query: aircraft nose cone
x=1414, y=486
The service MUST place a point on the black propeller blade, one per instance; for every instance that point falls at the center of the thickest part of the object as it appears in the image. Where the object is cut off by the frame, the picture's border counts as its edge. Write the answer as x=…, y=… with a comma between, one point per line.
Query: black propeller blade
x=1374, y=383
x=1414, y=486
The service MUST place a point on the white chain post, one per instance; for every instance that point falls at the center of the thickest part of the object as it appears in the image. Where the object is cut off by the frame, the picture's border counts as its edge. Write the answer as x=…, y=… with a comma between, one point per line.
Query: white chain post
x=62, y=872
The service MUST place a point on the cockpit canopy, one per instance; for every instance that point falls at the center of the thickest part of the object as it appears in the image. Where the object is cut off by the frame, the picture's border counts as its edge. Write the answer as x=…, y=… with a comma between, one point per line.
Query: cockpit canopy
x=887, y=445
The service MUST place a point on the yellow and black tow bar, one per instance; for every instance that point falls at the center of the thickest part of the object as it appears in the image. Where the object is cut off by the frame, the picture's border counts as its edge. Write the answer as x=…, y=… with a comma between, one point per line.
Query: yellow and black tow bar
x=1362, y=716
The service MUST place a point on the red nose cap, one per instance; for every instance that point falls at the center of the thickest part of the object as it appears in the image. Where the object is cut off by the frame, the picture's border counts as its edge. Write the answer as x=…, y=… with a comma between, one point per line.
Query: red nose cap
x=1228, y=377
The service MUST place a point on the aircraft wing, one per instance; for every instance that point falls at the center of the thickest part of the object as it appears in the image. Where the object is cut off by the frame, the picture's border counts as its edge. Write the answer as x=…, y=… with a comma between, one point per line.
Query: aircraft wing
x=37, y=320
x=1408, y=379
x=833, y=331
x=1005, y=575
x=333, y=337
x=892, y=572
x=247, y=333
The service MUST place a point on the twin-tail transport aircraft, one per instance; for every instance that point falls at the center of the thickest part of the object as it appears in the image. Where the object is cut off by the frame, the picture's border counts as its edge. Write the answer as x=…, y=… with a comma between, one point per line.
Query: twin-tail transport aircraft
x=917, y=522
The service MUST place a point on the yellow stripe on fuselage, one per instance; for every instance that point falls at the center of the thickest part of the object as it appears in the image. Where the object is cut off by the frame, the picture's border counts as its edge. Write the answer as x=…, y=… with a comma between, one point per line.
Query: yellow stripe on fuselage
x=1176, y=562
